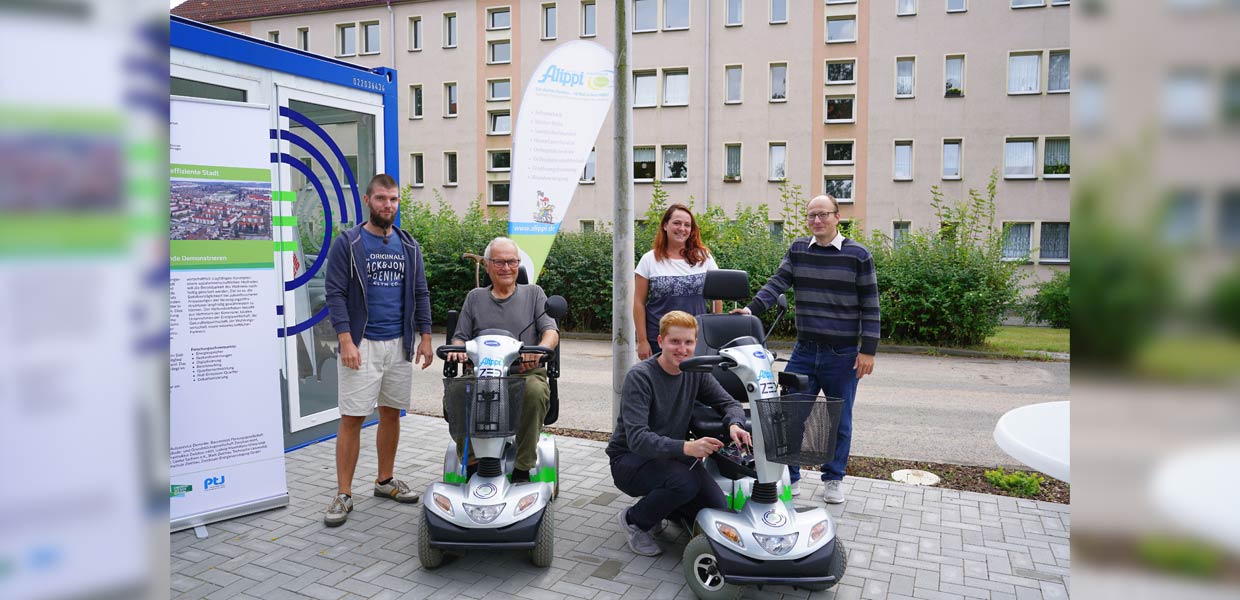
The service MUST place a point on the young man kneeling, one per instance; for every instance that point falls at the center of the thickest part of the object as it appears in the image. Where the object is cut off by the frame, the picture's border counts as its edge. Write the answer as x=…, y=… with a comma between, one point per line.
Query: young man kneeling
x=650, y=458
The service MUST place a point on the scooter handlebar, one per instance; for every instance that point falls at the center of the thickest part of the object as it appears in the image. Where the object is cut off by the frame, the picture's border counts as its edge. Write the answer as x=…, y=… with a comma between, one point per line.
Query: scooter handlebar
x=704, y=364
x=443, y=351
x=537, y=350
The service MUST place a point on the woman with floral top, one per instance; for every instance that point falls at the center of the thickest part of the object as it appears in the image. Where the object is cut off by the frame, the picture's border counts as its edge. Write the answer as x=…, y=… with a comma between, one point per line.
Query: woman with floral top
x=670, y=277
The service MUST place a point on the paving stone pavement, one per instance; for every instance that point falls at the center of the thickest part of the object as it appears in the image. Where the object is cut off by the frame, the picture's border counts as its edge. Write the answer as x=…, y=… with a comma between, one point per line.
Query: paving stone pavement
x=904, y=541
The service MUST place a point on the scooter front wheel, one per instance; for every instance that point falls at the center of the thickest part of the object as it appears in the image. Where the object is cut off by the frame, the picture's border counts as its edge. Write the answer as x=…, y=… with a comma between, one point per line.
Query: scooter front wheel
x=701, y=568
x=839, y=563
x=431, y=558
x=544, y=541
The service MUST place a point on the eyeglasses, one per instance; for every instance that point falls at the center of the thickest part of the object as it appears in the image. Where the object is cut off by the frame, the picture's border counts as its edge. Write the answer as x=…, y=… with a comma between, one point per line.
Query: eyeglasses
x=820, y=216
x=510, y=263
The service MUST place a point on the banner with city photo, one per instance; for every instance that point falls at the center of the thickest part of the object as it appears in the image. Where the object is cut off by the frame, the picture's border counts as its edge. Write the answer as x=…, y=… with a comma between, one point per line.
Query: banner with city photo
x=226, y=454
x=561, y=112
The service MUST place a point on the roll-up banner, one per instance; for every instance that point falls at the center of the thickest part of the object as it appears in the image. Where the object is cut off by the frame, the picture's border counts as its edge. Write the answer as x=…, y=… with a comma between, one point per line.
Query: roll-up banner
x=561, y=113
x=226, y=456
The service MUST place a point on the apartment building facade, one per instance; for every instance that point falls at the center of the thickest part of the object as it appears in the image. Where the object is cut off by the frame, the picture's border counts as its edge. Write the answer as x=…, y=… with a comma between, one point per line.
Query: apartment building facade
x=729, y=97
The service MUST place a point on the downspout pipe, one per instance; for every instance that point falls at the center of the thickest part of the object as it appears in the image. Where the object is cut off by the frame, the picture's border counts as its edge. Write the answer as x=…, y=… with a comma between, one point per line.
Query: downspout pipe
x=706, y=129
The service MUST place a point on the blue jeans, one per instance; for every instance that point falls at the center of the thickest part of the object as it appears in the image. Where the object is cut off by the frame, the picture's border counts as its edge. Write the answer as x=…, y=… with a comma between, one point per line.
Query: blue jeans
x=830, y=370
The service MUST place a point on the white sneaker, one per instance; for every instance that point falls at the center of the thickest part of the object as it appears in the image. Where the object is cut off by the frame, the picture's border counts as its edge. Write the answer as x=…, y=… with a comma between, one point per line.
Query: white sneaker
x=796, y=488
x=832, y=492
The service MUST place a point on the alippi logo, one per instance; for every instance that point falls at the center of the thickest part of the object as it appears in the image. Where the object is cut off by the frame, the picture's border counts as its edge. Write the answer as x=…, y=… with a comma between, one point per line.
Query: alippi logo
x=571, y=79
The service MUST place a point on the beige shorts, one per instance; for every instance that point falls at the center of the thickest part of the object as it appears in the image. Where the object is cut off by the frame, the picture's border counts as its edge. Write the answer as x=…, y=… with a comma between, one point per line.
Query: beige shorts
x=385, y=378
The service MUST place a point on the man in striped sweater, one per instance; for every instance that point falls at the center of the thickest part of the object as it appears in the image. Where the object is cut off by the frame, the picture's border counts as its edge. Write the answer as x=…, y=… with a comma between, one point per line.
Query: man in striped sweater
x=837, y=320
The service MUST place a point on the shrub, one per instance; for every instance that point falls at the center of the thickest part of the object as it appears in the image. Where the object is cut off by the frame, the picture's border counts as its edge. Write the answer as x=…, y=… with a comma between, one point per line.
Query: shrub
x=579, y=268
x=1225, y=302
x=1016, y=482
x=1051, y=303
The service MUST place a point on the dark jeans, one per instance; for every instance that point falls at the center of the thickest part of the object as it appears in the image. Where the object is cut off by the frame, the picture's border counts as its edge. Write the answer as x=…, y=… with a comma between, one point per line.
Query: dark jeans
x=666, y=488
x=830, y=370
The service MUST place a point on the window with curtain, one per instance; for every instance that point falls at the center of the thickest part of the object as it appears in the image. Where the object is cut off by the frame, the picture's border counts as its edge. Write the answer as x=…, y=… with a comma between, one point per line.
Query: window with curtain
x=953, y=72
x=589, y=19
x=587, y=174
x=1058, y=67
x=906, y=7
x=1018, y=158
x=733, y=77
x=549, y=23
x=1024, y=72
x=903, y=170
x=1056, y=160
x=899, y=230
x=675, y=14
x=675, y=88
x=1016, y=240
x=1054, y=243
x=841, y=72
x=645, y=87
x=951, y=159
x=838, y=153
x=840, y=188
x=645, y=15
x=905, y=68
x=735, y=10
x=643, y=163
x=778, y=161
x=500, y=122
x=842, y=30
x=675, y=163
x=779, y=82
x=732, y=162
x=779, y=11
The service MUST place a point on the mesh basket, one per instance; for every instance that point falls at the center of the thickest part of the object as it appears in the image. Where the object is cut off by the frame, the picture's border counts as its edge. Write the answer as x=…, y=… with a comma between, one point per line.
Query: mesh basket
x=488, y=407
x=799, y=429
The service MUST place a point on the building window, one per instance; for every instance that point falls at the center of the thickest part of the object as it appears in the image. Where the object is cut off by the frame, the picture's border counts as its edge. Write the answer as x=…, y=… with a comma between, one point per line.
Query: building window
x=675, y=14
x=1058, y=71
x=1056, y=159
x=587, y=225
x=675, y=88
x=840, y=72
x=415, y=101
x=1054, y=245
x=1017, y=239
x=303, y=38
x=779, y=11
x=499, y=160
x=777, y=162
x=953, y=76
x=644, y=164
x=776, y=230
x=415, y=33
x=499, y=52
x=499, y=192
x=645, y=15
x=449, y=30
x=841, y=29
x=906, y=70
x=732, y=75
x=645, y=88
x=675, y=163
x=902, y=169
x=1229, y=220
x=731, y=162
x=838, y=153
x=499, y=89
x=899, y=231
x=1024, y=73
x=954, y=6
x=1182, y=224
x=589, y=19
x=499, y=18
x=548, y=22
x=840, y=109
x=499, y=122
x=1027, y=3
x=779, y=82
x=1187, y=99
x=905, y=8
x=346, y=40
x=417, y=168
x=951, y=159
x=1018, y=159
x=840, y=188
x=1231, y=97
x=273, y=37
x=587, y=174
x=736, y=9
x=449, y=99
x=449, y=168
x=370, y=38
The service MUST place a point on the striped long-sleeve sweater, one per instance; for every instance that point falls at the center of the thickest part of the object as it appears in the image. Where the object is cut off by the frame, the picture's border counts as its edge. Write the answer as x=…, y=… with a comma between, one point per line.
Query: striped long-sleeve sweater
x=836, y=293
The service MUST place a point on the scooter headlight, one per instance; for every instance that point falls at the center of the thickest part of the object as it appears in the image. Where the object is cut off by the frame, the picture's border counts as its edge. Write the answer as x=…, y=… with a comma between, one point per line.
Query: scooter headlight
x=777, y=544
x=483, y=514
x=525, y=503
x=443, y=503
x=819, y=530
x=729, y=532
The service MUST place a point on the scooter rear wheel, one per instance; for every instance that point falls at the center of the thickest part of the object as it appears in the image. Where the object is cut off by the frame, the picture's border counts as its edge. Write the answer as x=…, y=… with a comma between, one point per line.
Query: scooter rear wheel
x=701, y=568
x=431, y=558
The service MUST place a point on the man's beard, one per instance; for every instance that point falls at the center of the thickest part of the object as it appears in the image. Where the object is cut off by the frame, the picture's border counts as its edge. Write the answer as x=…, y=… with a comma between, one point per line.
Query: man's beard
x=380, y=221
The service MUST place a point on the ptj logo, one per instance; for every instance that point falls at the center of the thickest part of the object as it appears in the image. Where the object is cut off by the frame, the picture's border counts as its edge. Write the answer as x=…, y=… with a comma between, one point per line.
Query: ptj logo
x=211, y=483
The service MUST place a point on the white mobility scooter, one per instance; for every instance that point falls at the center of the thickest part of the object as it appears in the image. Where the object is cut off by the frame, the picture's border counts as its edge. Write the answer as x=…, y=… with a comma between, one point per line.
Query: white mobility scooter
x=483, y=509
x=767, y=541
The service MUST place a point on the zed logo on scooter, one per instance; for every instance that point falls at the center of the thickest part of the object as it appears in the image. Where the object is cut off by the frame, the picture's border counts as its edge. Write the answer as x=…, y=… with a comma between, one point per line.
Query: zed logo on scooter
x=774, y=519
x=485, y=491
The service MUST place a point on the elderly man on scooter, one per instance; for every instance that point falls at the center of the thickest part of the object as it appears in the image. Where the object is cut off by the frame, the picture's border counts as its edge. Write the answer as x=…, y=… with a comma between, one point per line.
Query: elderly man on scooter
x=649, y=455
x=507, y=305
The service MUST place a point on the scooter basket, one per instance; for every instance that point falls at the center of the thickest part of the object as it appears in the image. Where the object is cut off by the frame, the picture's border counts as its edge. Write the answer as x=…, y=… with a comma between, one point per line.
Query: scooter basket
x=799, y=429
x=487, y=407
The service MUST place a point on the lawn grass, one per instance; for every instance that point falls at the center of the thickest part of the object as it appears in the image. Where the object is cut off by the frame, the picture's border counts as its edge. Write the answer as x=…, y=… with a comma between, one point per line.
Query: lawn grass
x=1189, y=358
x=1016, y=341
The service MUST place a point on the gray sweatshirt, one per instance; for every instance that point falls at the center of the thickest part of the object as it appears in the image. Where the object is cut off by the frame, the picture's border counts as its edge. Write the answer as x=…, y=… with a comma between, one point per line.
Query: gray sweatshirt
x=655, y=408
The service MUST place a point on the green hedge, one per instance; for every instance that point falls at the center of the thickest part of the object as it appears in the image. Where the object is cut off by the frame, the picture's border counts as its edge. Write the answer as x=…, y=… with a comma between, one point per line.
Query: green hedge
x=1051, y=302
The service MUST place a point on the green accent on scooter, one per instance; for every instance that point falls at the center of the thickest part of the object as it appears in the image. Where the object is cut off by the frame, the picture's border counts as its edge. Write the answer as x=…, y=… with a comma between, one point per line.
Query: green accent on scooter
x=454, y=477
x=737, y=500
x=545, y=474
x=786, y=494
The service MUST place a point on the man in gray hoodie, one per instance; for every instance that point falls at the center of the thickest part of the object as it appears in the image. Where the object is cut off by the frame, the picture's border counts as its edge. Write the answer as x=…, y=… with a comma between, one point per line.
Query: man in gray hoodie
x=650, y=458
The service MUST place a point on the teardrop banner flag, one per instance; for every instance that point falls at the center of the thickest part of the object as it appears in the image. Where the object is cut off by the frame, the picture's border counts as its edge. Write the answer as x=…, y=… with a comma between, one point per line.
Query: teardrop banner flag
x=561, y=112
